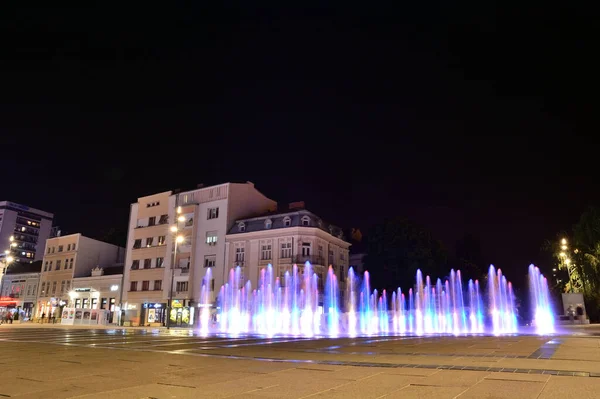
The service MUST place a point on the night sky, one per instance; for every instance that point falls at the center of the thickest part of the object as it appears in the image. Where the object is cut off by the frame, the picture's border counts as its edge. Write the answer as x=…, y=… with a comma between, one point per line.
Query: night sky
x=466, y=119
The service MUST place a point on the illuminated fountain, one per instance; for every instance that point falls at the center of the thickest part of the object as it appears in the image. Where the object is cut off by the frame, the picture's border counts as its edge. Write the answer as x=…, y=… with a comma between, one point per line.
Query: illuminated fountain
x=540, y=301
x=298, y=304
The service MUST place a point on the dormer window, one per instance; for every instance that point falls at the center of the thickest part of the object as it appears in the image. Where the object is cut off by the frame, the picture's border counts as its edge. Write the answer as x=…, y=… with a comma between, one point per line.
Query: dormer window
x=331, y=229
x=242, y=226
x=287, y=221
x=268, y=224
x=305, y=221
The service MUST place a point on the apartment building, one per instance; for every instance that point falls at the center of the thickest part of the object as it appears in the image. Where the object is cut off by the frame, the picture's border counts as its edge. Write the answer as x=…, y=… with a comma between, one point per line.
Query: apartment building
x=29, y=229
x=66, y=258
x=283, y=239
x=201, y=218
x=18, y=288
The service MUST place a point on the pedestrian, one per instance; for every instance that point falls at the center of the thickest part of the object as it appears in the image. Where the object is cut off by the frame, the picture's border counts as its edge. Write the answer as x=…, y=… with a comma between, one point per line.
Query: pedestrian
x=43, y=317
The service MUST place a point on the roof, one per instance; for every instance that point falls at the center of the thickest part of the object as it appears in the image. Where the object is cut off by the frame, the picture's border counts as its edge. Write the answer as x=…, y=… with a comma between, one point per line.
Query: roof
x=258, y=223
x=113, y=270
x=20, y=268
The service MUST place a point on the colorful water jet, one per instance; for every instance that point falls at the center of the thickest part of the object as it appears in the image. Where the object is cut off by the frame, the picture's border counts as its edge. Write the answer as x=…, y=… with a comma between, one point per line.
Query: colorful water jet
x=541, y=308
x=298, y=304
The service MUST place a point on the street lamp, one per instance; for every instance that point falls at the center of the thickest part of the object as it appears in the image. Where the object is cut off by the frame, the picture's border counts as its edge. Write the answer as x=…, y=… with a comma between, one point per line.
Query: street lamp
x=178, y=239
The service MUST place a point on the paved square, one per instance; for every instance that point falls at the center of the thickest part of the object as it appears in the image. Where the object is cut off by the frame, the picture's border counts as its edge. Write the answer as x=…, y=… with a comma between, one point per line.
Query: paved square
x=59, y=362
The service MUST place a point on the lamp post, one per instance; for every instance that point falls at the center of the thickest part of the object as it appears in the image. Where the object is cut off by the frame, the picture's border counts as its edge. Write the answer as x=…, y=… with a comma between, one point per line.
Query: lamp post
x=567, y=261
x=177, y=239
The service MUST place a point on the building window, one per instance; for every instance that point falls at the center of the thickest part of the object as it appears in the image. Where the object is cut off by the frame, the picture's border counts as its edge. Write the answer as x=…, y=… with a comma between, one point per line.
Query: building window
x=60, y=248
x=62, y=286
x=49, y=250
x=43, y=288
x=58, y=262
x=145, y=285
x=53, y=287
x=68, y=247
x=94, y=303
x=210, y=261
x=305, y=221
x=240, y=253
x=53, y=249
x=132, y=287
x=242, y=227
x=213, y=213
x=103, y=300
x=306, y=249
x=149, y=241
x=342, y=257
x=147, y=263
x=287, y=221
x=286, y=249
x=71, y=263
x=151, y=220
x=160, y=262
x=163, y=219
x=46, y=266
x=68, y=287
x=137, y=243
x=181, y=286
x=265, y=251
x=78, y=303
x=73, y=247
x=157, y=285
x=211, y=237
x=135, y=265
x=161, y=240
x=268, y=224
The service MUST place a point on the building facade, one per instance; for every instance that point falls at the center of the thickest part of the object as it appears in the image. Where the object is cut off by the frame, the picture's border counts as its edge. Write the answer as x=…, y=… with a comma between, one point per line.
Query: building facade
x=29, y=228
x=100, y=290
x=201, y=218
x=284, y=239
x=66, y=258
x=18, y=289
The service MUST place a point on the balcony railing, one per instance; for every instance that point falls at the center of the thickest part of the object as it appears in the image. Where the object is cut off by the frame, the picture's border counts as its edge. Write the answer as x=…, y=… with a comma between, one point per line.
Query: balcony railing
x=313, y=259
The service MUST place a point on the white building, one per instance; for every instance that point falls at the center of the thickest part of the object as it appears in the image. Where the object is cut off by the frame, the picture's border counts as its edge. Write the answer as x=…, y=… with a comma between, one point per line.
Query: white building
x=68, y=257
x=202, y=217
x=283, y=239
x=100, y=290
x=18, y=289
x=29, y=227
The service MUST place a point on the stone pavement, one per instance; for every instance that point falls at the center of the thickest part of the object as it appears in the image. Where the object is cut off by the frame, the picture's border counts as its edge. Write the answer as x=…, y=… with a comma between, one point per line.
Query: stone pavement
x=156, y=363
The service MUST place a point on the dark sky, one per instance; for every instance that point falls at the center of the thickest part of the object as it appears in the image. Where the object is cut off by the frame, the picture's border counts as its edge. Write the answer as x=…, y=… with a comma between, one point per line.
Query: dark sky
x=466, y=118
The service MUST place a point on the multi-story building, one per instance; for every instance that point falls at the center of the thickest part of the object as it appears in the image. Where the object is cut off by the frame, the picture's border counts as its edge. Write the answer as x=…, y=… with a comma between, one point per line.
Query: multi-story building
x=99, y=290
x=283, y=239
x=18, y=289
x=66, y=258
x=202, y=218
x=29, y=228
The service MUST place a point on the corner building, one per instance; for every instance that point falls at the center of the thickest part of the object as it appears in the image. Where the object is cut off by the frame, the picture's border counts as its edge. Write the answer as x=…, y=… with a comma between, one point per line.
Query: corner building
x=283, y=239
x=202, y=217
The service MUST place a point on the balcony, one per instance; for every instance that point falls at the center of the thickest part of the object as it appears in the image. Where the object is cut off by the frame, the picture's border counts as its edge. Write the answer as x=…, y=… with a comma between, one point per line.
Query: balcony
x=313, y=259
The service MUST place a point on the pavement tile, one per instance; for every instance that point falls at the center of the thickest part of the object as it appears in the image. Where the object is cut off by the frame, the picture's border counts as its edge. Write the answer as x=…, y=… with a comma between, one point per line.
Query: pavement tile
x=559, y=387
x=425, y=392
x=501, y=389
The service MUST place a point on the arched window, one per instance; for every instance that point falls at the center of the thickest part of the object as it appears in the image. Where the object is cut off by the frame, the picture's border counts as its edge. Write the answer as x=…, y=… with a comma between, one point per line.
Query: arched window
x=242, y=226
x=287, y=221
x=305, y=221
x=268, y=224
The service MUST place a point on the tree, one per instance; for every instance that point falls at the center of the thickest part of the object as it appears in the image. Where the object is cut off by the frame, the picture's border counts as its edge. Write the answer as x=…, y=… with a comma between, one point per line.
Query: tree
x=396, y=248
x=469, y=259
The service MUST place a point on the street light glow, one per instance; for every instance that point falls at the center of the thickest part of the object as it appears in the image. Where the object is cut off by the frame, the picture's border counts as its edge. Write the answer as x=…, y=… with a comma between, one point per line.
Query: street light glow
x=181, y=218
x=9, y=259
x=178, y=209
x=564, y=241
x=180, y=239
x=174, y=229
x=567, y=261
x=563, y=254
x=564, y=247
x=12, y=238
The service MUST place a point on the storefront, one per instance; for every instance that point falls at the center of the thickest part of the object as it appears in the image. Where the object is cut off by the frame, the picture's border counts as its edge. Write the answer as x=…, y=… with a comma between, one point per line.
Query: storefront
x=153, y=314
x=182, y=314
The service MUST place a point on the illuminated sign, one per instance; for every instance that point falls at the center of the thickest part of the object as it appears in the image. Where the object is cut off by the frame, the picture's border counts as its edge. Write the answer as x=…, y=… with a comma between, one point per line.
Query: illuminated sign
x=114, y=287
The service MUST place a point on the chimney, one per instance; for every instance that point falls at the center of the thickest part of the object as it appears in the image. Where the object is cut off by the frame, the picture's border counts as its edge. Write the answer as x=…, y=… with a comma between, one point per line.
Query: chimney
x=296, y=205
